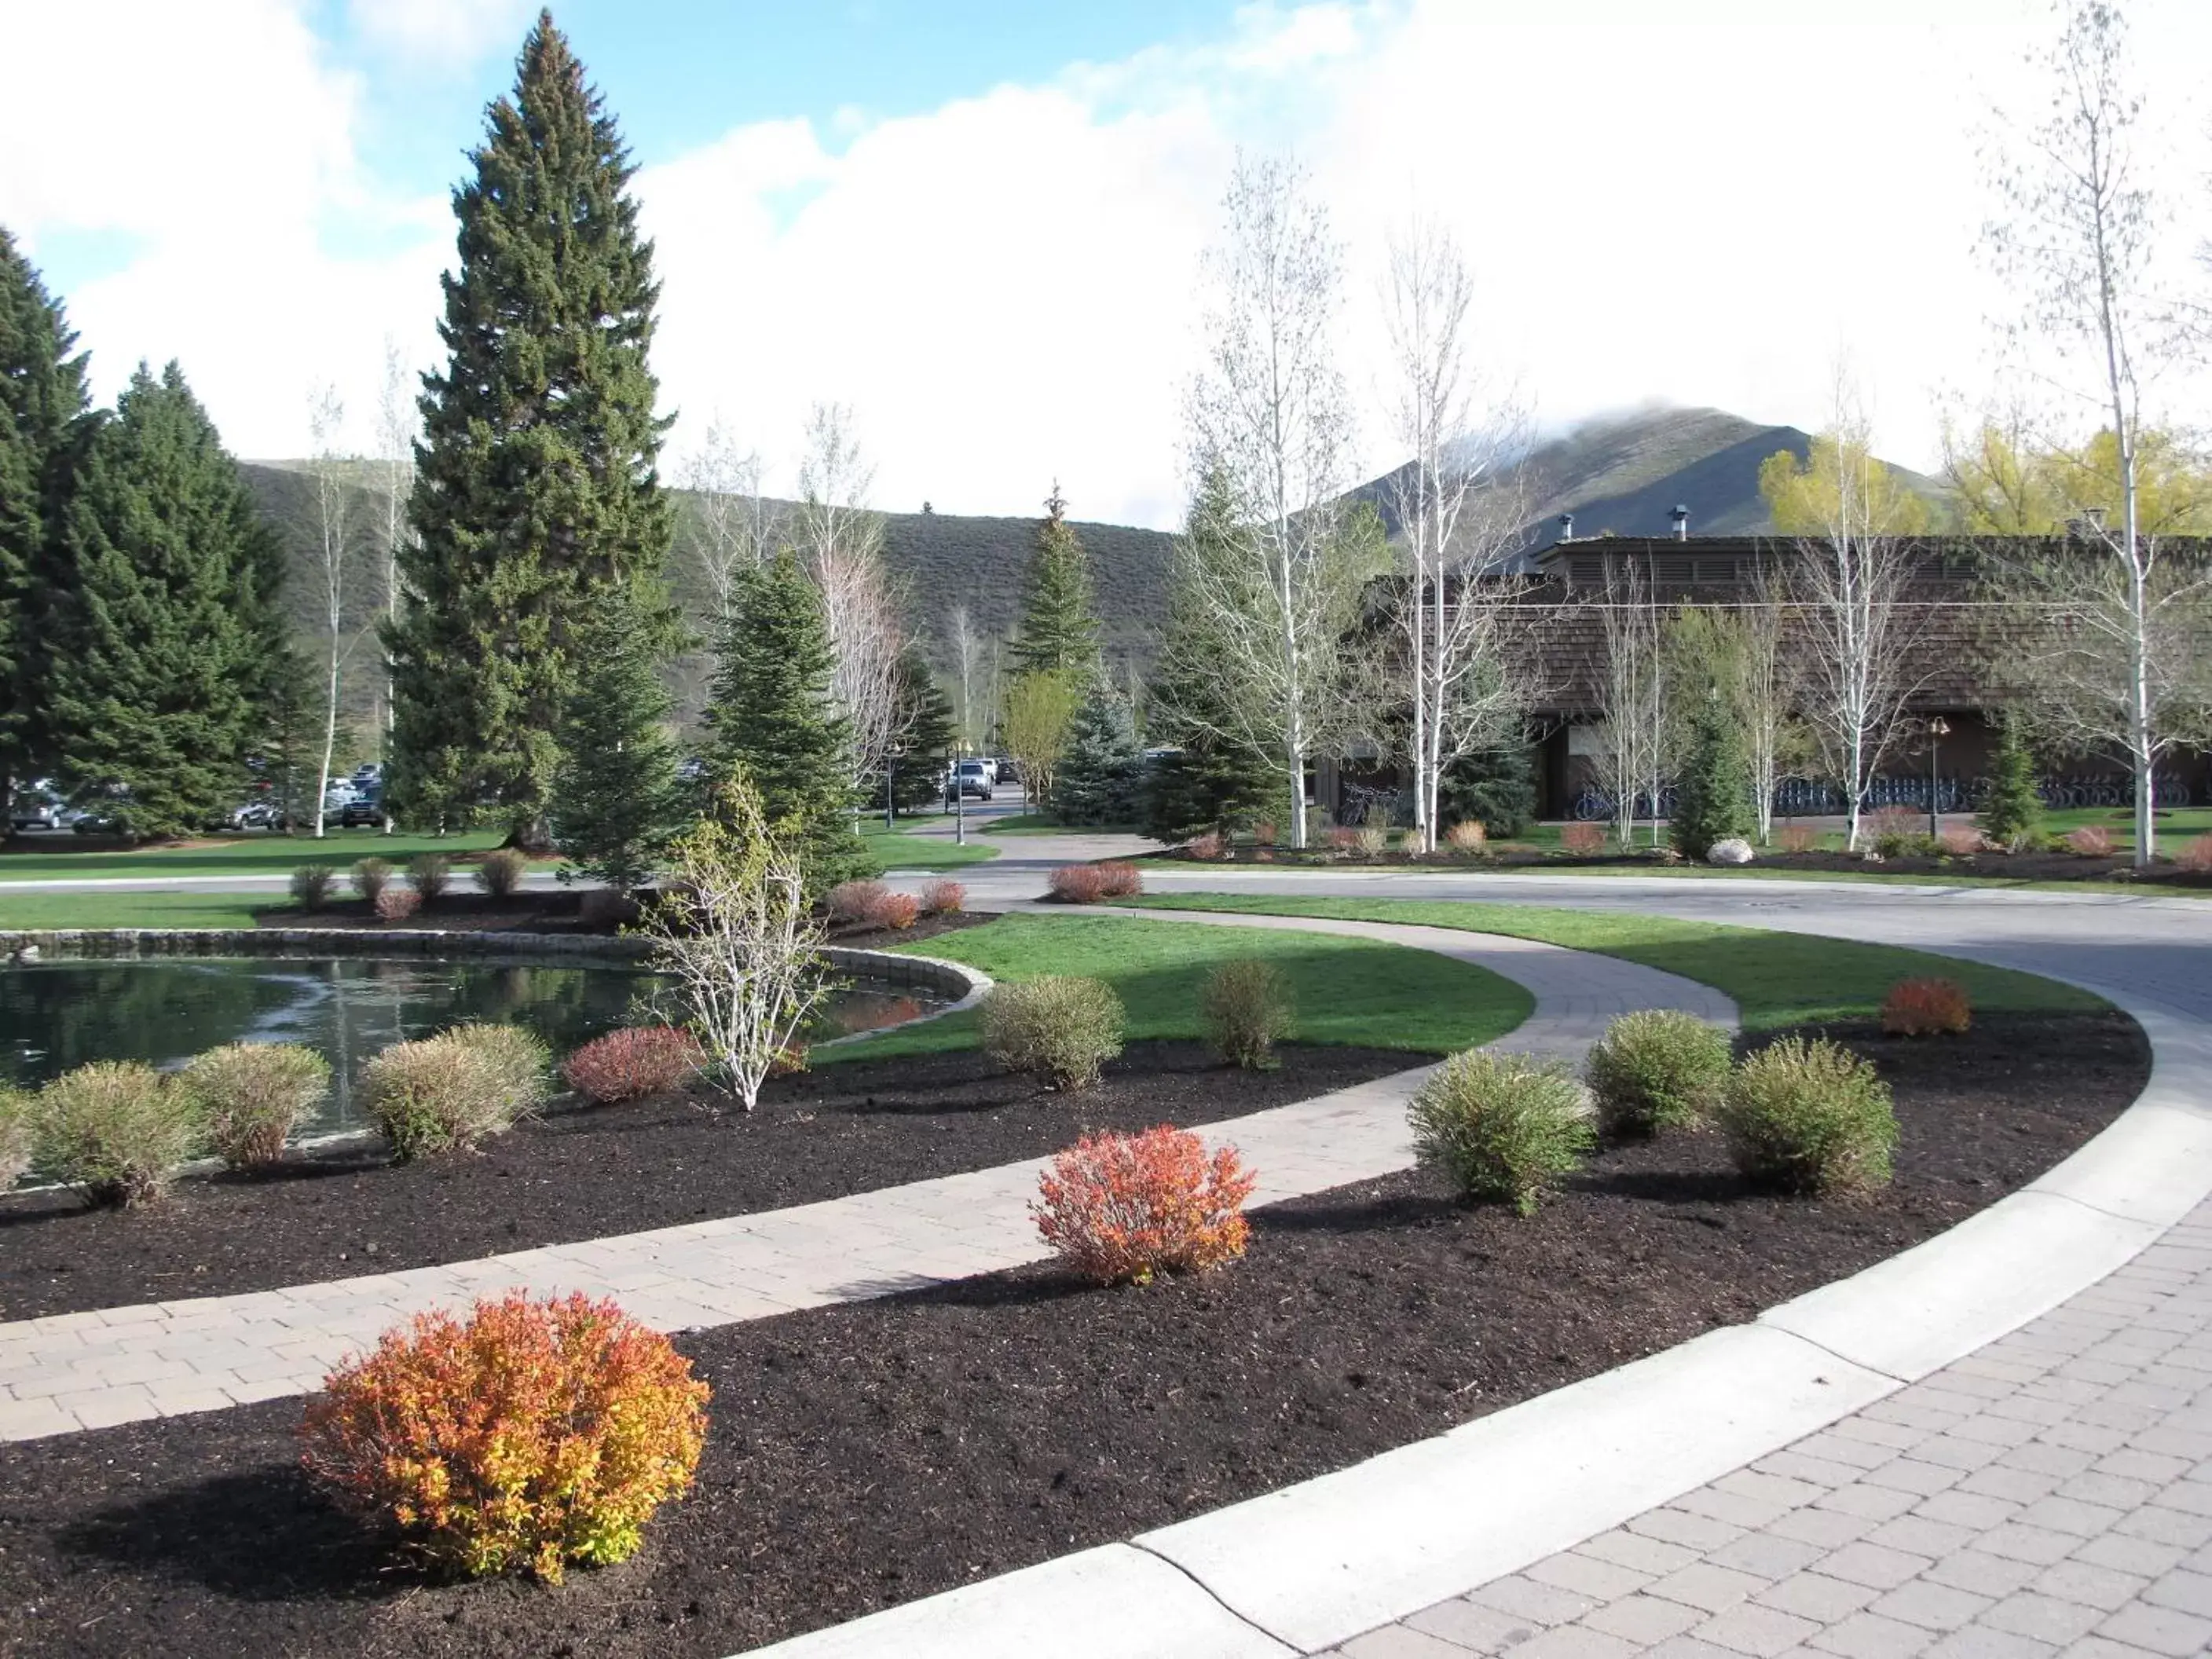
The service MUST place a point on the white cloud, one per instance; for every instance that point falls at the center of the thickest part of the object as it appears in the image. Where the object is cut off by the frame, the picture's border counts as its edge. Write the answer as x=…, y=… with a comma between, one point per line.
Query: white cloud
x=1705, y=209
x=453, y=32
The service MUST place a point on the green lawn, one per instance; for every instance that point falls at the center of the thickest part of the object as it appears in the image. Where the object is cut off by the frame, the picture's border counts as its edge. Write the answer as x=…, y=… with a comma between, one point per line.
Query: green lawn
x=1036, y=824
x=900, y=851
x=30, y=911
x=1776, y=979
x=250, y=854
x=1349, y=990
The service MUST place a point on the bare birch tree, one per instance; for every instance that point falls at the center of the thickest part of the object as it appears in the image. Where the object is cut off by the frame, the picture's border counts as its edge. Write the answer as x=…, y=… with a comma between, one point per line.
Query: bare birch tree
x=398, y=425
x=731, y=526
x=2077, y=239
x=974, y=670
x=839, y=540
x=329, y=475
x=1460, y=507
x=1269, y=411
x=1632, y=699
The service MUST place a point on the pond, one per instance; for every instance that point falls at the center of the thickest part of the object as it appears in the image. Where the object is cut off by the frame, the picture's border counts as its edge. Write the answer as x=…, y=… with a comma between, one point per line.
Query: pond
x=56, y=1015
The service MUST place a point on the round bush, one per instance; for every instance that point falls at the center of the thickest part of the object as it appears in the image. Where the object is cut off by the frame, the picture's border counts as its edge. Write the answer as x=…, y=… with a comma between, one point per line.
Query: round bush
x=500, y=872
x=532, y=1435
x=1502, y=1127
x=16, y=1130
x=1058, y=1027
x=115, y=1131
x=950, y=898
x=1127, y=1206
x=1248, y=1008
x=438, y=1095
x=634, y=1062
x=1927, y=1007
x=397, y=904
x=1809, y=1117
x=522, y=1060
x=249, y=1095
x=1657, y=1069
x=429, y=874
x=370, y=877
x=312, y=884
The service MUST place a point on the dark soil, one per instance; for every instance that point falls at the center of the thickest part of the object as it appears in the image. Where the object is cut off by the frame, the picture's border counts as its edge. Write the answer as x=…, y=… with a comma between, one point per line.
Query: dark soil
x=876, y=1452
x=581, y=1173
x=556, y=912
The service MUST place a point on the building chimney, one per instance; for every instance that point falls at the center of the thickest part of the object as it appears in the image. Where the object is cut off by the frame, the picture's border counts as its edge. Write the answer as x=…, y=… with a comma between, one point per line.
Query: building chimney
x=1681, y=517
x=1566, y=526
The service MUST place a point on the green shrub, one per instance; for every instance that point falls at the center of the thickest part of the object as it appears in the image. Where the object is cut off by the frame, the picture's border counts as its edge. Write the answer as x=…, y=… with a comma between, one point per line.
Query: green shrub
x=1502, y=1127
x=16, y=1127
x=523, y=1062
x=1657, y=1069
x=1809, y=1117
x=370, y=877
x=312, y=884
x=249, y=1095
x=438, y=1095
x=115, y=1131
x=1058, y=1027
x=1248, y=1009
x=500, y=872
x=429, y=874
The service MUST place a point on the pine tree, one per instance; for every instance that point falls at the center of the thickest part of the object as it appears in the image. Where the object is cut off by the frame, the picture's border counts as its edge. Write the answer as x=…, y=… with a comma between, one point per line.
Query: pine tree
x=1493, y=788
x=617, y=802
x=2012, y=808
x=1713, y=791
x=536, y=495
x=1208, y=781
x=1059, y=631
x=169, y=639
x=924, y=715
x=44, y=422
x=770, y=720
x=1101, y=770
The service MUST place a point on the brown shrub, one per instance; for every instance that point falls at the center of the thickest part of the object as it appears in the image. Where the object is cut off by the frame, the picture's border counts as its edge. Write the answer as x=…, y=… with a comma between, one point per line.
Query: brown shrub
x=1797, y=837
x=945, y=898
x=2091, y=841
x=1582, y=840
x=397, y=904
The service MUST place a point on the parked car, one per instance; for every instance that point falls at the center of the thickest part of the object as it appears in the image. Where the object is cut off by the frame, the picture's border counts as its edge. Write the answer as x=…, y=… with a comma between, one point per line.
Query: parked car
x=364, y=810
x=32, y=809
x=975, y=778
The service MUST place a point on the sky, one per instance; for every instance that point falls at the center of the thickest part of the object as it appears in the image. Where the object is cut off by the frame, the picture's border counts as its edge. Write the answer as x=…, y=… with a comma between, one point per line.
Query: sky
x=980, y=223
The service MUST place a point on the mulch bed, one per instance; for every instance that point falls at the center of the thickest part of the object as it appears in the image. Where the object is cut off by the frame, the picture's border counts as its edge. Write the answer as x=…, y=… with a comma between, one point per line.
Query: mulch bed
x=582, y=1172
x=461, y=911
x=873, y=1452
x=2003, y=867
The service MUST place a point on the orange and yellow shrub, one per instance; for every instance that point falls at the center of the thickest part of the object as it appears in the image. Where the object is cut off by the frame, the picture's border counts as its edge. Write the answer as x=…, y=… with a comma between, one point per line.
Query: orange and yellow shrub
x=1127, y=1206
x=1797, y=837
x=2197, y=856
x=1206, y=845
x=634, y=1062
x=1583, y=840
x=1961, y=840
x=945, y=898
x=1926, y=1008
x=529, y=1436
x=2091, y=841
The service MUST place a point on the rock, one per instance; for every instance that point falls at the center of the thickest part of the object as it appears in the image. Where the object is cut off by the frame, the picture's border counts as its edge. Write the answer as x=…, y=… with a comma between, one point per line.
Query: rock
x=1733, y=850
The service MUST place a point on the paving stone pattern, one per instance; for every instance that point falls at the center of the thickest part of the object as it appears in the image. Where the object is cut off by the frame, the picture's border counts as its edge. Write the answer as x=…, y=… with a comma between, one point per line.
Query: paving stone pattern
x=2050, y=1494
x=83, y=1370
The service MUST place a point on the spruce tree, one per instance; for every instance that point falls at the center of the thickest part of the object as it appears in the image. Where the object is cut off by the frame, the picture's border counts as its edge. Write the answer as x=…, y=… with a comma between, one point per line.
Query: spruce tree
x=45, y=421
x=618, y=801
x=169, y=641
x=1101, y=770
x=2012, y=808
x=1713, y=791
x=1208, y=781
x=1493, y=788
x=535, y=497
x=770, y=720
x=924, y=715
x=1059, y=631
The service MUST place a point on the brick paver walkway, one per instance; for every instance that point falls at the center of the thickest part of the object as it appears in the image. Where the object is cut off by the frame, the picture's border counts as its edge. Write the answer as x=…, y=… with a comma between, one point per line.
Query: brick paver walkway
x=2051, y=1494
x=84, y=1371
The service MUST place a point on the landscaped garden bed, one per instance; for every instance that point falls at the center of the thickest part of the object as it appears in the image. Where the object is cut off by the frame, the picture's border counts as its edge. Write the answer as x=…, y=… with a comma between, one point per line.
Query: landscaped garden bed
x=875, y=1452
x=584, y=1173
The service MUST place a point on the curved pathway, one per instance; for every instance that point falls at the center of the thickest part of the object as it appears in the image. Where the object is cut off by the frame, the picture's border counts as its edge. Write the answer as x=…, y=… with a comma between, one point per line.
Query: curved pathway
x=80, y=1370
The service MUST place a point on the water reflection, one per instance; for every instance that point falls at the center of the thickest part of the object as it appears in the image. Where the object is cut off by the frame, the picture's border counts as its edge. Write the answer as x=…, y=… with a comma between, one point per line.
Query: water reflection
x=56, y=1015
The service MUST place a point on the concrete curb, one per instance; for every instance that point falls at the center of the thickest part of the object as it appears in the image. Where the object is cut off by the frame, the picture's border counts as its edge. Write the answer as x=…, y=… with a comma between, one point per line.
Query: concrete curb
x=1321, y=1562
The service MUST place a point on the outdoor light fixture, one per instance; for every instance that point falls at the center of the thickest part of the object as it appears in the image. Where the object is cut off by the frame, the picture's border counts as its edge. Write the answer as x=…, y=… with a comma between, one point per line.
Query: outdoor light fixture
x=1938, y=729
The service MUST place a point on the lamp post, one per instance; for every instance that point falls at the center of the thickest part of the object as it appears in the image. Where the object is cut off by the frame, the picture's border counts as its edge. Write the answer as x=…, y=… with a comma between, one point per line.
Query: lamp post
x=1938, y=729
x=959, y=799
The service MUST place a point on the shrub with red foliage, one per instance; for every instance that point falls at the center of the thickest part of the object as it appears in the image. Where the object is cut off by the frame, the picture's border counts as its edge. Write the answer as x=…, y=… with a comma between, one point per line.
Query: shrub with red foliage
x=945, y=898
x=1961, y=840
x=2196, y=857
x=1344, y=838
x=1797, y=837
x=897, y=911
x=2091, y=841
x=1076, y=884
x=531, y=1434
x=1126, y=1206
x=634, y=1062
x=397, y=904
x=1583, y=840
x=1123, y=879
x=1926, y=1008
x=856, y=900
x=1263, y=833
x=1208, y=845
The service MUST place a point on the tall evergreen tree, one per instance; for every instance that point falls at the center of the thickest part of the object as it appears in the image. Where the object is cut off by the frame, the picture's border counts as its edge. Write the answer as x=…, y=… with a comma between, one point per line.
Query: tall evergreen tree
x=924, y=716
x=44, y=422
x=1209, y=780
x=617, y=802
x=1101, y=771
x=770, y=719
x=1058, y=632
x=1713, y=791
x=166, y=642
x=536, y=495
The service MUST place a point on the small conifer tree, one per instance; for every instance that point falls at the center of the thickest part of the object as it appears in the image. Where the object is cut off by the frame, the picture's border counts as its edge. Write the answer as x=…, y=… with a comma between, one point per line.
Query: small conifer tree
x=617, y=802
x=925, y=722
x=1712, y=792
x=1493, y=788
x=2012, y=809
x=1101, y=769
